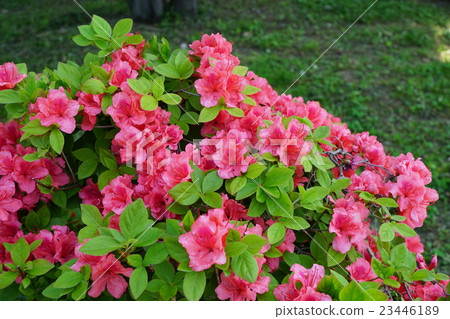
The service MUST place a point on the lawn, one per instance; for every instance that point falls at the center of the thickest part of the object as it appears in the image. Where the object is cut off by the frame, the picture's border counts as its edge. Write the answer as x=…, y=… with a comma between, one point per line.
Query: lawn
x=387, y=75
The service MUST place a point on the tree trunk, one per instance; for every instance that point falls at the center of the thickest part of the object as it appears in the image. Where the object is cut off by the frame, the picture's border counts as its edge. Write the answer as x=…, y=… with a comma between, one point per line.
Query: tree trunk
x=146, y=10
x=187, y=8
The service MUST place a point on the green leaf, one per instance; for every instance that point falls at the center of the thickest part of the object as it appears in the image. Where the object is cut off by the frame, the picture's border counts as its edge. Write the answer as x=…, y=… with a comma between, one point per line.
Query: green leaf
x=405, y=230
x=158, y=86
x=211, y=182
x=60, y=199
x=387, y=202
x=400, y=256
x=167, y=70
x=87, y=168
x=34, y=127
x=237, y=184
x=387, y=232
x=207, y=114
x=184, y=193
x=93, y=86
x=149, y=237
x=276, y=233
x=141, y=86
x=398, y=218
x=106, y=177
x=281, y=206
x=240, y=70
x=171, y=99
x=254, y=243
x=235, y=249
x=255, y=170
x=7, y=278
x=186, y=69
x=323, y=178
x=138, y=282
x=194, y=285
x=84, y=153
x=68, y=279
x=101, y=27
x=212, y=199
x=249, y=90
x=40, y=267
x=234, y=111
x=391, y=282
x=295, y=222
x=176, y=250
x=313, y=194
x=10, y=96
x=423, y=275
x=20, y=252
x=256, y=208
x=57, y=140
x=273, y=253
x=278, y=176
x=245, y=267
x=133, y=219
x=321, y=132
x=80, y=290
x=149, y=103
x=122, y=27
x=165, y=271
x=340, y=184
x=249, y=101
x=107, y=159
x=352, y=292
x=248, y=190
x=134, y=260
x=334, y=257
x=99, y=246
x=156, y=254
x=189, y=118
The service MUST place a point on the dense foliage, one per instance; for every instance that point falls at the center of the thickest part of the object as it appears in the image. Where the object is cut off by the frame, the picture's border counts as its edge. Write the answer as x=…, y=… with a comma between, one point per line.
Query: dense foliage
x=153, y=174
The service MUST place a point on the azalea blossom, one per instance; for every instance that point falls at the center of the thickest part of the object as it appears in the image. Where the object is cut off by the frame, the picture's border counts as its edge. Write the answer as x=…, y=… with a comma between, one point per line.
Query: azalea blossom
x=205, y=243
x=107, y=274
x=10, y=76
x=56, y=108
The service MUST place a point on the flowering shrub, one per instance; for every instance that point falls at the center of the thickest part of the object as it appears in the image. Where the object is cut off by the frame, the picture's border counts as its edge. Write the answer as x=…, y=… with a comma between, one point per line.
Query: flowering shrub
x=153, y=174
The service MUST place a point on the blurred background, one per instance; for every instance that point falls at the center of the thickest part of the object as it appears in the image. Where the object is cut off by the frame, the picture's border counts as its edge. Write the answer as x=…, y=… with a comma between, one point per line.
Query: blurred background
x=389, y=74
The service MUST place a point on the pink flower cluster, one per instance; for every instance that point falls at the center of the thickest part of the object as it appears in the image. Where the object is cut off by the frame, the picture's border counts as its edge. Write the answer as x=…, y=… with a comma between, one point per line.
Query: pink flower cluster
x=18, y=181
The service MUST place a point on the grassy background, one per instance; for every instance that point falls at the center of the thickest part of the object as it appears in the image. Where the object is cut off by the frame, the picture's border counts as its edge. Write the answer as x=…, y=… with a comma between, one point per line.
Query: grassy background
x=388, y=74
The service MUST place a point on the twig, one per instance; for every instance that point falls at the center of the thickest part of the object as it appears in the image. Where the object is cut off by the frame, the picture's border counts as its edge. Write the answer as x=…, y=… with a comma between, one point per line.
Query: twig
x=407, y=291
x=70, y=169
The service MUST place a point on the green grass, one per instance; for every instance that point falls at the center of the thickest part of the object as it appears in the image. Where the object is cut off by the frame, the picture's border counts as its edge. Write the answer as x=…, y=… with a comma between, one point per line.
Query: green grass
x=388, y=74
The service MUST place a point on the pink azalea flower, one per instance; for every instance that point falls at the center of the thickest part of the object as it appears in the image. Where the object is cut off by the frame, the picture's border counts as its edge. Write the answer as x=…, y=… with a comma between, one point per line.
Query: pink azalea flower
x=309, y=278
x=413, y=198
x=236, y=289
x=233, y=210
x=8, y=204
x=91, y=195
x=92, y=107
x=56, y=108
x=84, y=259
x=126, y=110
x=25, y=173
x=219, y=81
x=361, y=270
x=349, y=224
x=117, y=195
x=227, y=151
x=106, y=274
x=205, y=243
x=9, y=76
x=177, y=170
x=214, y=43
x=414, y=244
x=289, y=144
